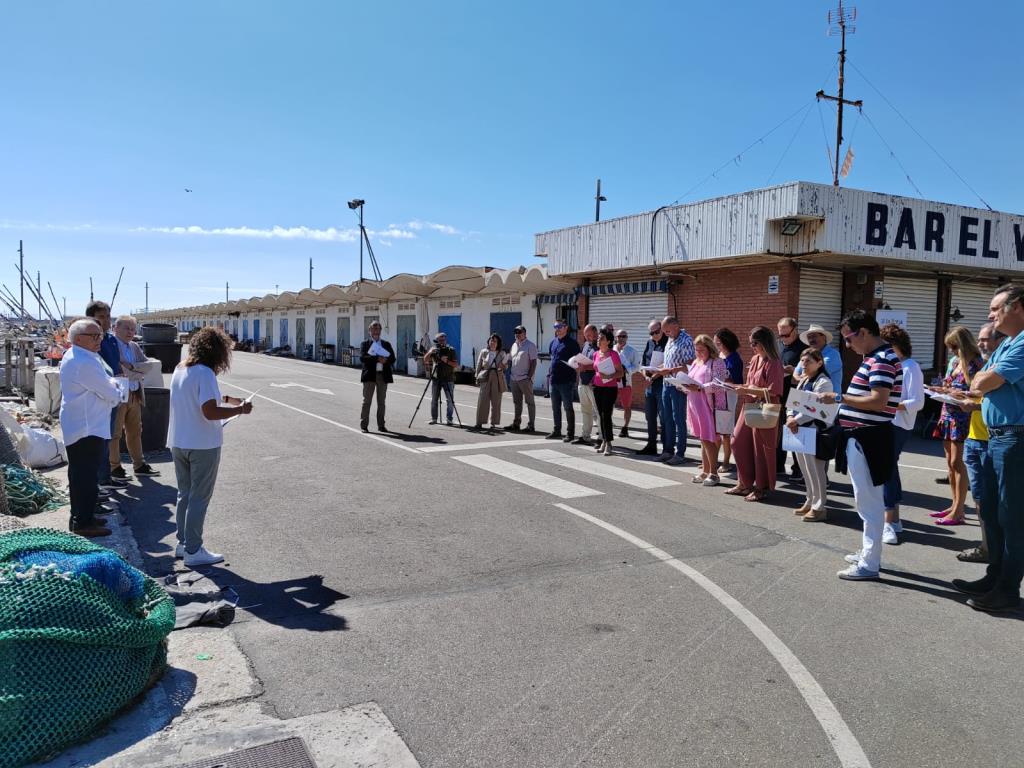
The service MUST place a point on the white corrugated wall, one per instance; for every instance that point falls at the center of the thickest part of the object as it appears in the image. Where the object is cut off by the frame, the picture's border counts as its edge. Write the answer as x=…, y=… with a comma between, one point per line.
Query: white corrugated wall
x=821, y=298
x=630, y=311
x=972, y=299
x=918, y=297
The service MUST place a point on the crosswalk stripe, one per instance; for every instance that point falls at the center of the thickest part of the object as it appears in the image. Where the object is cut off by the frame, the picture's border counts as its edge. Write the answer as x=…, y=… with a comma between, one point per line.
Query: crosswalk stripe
x=479, y=446
x=600, y=469
x=556, y=486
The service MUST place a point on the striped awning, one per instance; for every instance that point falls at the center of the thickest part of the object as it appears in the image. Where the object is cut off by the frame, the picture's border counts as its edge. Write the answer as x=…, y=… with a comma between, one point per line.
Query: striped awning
x=610, y=289
x=557, y=298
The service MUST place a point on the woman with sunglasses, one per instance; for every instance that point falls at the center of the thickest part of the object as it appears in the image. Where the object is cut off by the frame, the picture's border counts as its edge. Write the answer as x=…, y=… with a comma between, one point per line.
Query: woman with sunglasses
x=728, y=351
x=755, y=448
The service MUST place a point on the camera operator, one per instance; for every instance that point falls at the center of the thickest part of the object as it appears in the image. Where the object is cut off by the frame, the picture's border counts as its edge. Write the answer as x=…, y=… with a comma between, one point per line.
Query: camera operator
x=444, y=360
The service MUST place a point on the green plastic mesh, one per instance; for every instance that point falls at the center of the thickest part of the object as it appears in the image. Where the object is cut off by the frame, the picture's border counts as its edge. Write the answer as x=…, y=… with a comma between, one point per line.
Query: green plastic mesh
x=72, y=654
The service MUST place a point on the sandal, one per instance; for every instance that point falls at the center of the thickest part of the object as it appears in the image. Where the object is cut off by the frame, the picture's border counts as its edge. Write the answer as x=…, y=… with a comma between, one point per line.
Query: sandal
x=698, y=478
x=756, y=495
x=738, y=491
x=974, y=555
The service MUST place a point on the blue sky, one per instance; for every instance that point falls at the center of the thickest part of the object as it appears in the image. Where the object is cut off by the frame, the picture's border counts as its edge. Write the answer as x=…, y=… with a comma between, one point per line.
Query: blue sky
x=466, y=126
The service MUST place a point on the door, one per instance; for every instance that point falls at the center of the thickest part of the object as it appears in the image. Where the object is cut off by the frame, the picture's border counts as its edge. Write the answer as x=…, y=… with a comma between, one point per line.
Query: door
x=283, y=334
x=451, y=326
x=319, y=335
x=821, y=299
x=970, y=301
x=300, y=338
x=406, y=340
x=631, y=313
x=245, y=330
x=918, y=297
x=256, y=331
x=344, y=337
x=367, y=321
x=502, y=323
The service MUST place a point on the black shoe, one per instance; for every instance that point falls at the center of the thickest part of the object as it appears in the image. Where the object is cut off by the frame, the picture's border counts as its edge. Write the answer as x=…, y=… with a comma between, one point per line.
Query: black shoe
x=624, y=432
x=980, y=587
x=556, y=435
x=582, y=441
x=113, y=484
x=529, y=429
x=568, y=438
x=146, y=470
x=995, y=601
x=365, y=429
x=381, y=428
x=514, y=428
x=119, y=474
x=944, y=480
x=450, y=423
x=648, y=450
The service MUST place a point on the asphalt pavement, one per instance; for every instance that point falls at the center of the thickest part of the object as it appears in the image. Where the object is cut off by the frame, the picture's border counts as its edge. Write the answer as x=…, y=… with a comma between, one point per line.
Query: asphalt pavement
x=511, y=601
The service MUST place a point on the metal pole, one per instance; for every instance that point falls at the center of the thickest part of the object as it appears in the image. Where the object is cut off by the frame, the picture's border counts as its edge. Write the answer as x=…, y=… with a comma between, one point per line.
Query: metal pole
x=311, y=273
x=39, y=294
x=361, y=232
x=21, y=269
x=226, y=299
x=91, y=297
x=839, y=122
x=147, y=297
x=597, y=201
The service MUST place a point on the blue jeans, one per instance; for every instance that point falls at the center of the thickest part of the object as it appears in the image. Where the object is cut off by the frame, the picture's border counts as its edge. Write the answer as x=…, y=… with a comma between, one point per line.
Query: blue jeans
x=561, y=398
x=652, y=410
x=673, y=416
x=1004, y=527
x=893, y=491
x=974, y=458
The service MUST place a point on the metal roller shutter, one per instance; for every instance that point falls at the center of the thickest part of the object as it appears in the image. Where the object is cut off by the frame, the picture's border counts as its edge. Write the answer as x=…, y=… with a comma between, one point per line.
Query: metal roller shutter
x=972, y=299
x=633, y=312
x=821, y=299
x=918, y=298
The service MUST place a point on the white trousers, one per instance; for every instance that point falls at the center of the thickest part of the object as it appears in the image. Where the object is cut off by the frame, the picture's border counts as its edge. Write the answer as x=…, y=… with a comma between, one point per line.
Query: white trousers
x=588, y=406
x=870, y=501
x=814, y=479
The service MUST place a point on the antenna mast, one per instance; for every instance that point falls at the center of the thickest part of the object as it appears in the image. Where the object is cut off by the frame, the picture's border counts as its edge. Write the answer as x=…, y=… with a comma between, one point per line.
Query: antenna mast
x=839, y=22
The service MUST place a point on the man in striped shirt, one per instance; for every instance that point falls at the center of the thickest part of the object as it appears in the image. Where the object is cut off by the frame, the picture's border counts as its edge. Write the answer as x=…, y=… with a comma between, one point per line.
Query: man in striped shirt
x=865, y=413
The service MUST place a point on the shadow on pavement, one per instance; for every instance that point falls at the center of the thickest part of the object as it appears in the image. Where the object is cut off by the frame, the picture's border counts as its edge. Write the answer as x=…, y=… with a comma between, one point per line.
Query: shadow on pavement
x=938, y=588
x=293, y=603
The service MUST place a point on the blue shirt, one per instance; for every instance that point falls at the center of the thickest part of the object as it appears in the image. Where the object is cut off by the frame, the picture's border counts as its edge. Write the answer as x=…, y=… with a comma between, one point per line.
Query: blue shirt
x=564, y=350
x=1005, y=406
x=587, y=375
x=734, y=364
x=111, y=353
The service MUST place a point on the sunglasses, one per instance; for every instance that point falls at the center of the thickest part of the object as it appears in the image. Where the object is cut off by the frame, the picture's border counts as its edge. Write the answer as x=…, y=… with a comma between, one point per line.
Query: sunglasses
x=848, y=337
x=655, y=333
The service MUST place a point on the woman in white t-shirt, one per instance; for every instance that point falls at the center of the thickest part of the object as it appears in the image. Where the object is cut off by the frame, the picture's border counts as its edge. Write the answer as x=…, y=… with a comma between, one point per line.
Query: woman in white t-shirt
x=196, y=434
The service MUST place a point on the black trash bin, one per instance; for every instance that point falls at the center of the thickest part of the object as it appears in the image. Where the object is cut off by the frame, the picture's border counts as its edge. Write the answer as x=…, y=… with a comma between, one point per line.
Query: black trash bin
x=168, y=354
x=156, y=418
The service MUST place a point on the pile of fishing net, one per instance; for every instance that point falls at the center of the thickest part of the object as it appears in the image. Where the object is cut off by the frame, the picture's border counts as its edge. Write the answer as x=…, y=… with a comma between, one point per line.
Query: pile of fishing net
x=26, y=492
x=82, y=634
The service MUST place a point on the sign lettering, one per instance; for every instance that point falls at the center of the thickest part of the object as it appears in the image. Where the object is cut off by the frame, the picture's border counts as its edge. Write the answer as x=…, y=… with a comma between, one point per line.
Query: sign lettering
x=972, y=232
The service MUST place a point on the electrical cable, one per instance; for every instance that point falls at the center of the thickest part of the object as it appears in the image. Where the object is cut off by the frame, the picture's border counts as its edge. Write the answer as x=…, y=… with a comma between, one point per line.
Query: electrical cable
x=786, y=150
x=892, y=154
x=922, y=138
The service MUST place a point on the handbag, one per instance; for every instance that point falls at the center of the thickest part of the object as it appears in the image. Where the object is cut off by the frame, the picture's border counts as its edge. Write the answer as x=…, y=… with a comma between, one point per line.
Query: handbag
x=725, y=422
x=762, y=415
x=827, y=442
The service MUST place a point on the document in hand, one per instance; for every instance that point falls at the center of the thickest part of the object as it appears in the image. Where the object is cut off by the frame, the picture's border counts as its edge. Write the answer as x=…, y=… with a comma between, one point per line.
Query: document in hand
x=804, y=441
x=942, y=397
x=225, y=422
x=576, y=361
x=681, y=379
x=377, y=349
x=657, y=359
x=718, y=383
x=807, y=404
x=606, y=367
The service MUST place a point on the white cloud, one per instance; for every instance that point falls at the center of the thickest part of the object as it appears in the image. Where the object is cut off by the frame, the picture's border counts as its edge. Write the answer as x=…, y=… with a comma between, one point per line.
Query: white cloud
x=444, y=229
x=329, y=235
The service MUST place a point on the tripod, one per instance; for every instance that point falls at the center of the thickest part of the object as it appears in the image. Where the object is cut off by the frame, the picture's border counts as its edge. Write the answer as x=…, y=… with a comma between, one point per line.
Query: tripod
x=430, y=380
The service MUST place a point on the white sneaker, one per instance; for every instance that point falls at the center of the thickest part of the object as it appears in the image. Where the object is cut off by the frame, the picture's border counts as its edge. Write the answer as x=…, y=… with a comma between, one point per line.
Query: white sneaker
x=202, y=556
x=897, y=526
x=179, y=552
x=853, y=558
x=889, y=535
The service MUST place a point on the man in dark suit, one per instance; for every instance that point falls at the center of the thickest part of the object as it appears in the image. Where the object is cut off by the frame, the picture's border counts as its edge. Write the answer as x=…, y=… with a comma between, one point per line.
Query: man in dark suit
x=376, y=375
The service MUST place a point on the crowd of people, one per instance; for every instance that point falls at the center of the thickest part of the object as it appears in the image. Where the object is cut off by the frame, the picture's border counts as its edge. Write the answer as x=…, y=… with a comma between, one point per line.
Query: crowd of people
x=102, y=398
x=738, y=414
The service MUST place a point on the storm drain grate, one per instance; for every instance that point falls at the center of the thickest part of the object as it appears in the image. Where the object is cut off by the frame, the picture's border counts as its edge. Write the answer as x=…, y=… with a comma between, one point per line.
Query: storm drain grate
x=287, y=753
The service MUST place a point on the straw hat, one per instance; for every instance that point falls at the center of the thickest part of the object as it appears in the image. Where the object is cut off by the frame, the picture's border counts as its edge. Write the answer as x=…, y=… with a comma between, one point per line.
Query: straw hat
x=815, y=328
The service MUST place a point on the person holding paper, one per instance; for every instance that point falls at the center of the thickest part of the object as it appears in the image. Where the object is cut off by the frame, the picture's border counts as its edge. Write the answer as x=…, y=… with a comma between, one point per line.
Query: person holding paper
x=378, y=358
x=728, y=352
x=790, y=349
x=630, y=364
x=702, y=404
x=128, y=417
x=865, y=447
x=608, y=371
x=650, y=363
x=490, y=378
x=755, y=448
x=815, y=379
x=88, y=395
x=912, y=401
x=954, y=423
x=195, y=436
x=585, y=388
x=562, y=379
x=679, y=353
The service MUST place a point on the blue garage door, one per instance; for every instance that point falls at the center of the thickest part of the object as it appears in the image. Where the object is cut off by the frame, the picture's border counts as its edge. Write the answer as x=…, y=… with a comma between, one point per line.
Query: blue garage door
x=451, y=326
x=502, y=324
x=256, y=331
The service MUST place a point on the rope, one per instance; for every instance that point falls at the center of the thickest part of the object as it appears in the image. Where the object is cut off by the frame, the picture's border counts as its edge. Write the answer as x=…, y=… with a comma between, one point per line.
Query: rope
x=922, y=138
x=892, y=154
x=28, y=492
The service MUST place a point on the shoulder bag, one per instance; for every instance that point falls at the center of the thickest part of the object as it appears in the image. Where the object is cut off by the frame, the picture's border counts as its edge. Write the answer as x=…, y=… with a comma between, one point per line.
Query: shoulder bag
x=764, y=415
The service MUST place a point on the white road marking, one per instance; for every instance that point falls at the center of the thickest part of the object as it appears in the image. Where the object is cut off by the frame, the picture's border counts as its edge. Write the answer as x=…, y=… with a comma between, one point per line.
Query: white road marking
x=291, y=384
x=337, y=424
x=482, y=446
x=843, y=742
x=929, y=469
x=556, y=486
x=601, y=469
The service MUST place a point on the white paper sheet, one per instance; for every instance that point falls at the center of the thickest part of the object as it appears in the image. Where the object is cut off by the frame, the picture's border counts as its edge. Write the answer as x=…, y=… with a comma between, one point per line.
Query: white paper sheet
x=942, y=397
x=807, y=404
x=606, y=367
x=657, y=358
x=804, y=441
x=377, y=349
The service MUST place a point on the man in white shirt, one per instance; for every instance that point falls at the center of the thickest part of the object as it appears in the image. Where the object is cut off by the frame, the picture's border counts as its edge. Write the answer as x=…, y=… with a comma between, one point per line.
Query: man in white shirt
x=524, y=365
x=128, y=418
x=89, y=394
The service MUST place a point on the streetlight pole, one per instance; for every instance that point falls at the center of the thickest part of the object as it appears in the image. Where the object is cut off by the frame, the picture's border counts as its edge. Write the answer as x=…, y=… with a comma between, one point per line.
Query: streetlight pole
x=599, y=198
